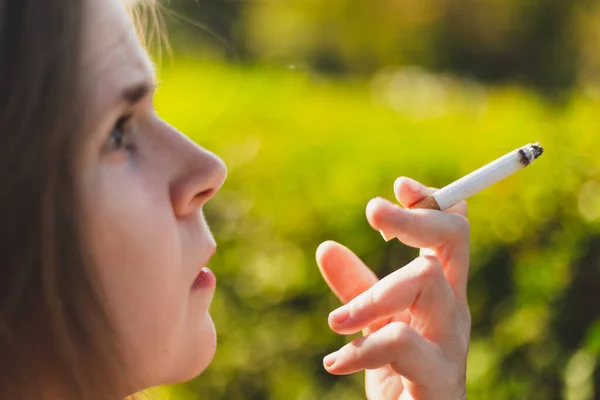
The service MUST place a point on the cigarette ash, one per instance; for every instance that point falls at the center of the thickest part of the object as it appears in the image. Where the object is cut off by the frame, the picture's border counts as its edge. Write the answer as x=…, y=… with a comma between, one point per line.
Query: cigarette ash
x=529, y=153
x=537, y=149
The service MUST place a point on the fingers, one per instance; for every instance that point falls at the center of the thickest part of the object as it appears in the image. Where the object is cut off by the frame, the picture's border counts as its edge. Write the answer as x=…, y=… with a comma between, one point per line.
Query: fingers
x=396, y=344
x=416, y=228
x=445, y=233
x=344, y=272
x=420, y=287
x=409, y=192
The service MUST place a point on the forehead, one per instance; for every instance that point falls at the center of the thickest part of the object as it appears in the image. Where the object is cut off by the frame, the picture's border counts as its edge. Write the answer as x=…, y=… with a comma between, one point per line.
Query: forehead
x=113, y=57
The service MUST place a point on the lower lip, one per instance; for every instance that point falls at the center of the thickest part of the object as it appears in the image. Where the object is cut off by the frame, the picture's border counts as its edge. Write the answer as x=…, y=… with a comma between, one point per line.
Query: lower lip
x=205, y=280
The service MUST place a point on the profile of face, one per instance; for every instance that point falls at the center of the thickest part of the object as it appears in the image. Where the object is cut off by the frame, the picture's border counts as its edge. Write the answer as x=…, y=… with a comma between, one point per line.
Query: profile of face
x=142, y=185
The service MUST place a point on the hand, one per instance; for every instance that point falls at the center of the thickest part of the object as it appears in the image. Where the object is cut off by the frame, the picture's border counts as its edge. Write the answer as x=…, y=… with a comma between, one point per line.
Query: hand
x=415, y=321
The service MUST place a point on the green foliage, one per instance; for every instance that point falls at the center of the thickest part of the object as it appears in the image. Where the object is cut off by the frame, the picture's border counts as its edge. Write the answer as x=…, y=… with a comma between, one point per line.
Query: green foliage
x=305, y=155
x=547, y=44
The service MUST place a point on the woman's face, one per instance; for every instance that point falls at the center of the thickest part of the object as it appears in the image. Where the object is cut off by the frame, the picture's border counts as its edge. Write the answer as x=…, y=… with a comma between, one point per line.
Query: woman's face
x=142, y=186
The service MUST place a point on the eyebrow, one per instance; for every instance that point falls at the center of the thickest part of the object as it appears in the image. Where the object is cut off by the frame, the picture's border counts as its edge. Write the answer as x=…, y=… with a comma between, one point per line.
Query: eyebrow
x=136, y=93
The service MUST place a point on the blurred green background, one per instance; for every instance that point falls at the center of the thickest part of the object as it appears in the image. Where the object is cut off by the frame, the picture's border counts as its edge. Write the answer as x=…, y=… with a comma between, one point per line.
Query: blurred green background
x=318, y=106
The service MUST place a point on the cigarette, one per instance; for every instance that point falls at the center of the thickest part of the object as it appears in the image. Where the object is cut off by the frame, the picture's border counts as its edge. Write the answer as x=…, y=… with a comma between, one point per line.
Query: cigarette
x=479, y=180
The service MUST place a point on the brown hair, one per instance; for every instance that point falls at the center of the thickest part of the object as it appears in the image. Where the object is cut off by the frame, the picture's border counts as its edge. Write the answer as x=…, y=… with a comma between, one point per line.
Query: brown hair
x=53, y=329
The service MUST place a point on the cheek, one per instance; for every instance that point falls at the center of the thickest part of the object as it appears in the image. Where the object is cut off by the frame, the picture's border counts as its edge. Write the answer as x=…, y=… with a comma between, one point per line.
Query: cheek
x=136, y=246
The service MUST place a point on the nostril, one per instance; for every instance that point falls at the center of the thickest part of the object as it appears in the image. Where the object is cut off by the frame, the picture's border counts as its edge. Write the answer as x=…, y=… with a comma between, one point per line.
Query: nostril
x=203, y=196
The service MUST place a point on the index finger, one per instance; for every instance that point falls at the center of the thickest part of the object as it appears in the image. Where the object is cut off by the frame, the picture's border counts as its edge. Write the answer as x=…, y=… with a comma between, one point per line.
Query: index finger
x=447, y=234
x=408, y=192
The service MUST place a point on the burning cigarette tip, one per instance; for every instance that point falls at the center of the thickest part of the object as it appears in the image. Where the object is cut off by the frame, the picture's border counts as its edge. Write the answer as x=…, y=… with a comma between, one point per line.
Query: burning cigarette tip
x=537, y=149
x=530, y=153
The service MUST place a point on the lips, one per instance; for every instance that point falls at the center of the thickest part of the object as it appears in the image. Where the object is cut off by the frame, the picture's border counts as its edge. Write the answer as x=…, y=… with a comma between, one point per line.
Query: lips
x=205, y=280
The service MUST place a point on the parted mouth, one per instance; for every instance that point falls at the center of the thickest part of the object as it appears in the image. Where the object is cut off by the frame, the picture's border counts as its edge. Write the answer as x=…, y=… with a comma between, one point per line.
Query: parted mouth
x=204, y=277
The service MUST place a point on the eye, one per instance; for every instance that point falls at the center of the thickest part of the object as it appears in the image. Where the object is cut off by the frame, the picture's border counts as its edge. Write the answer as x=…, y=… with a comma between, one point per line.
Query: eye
x=118, y=137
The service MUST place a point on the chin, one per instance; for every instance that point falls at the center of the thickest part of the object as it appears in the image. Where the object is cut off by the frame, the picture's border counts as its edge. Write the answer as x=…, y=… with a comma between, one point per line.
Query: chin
x=208, y=345
x=196, y=360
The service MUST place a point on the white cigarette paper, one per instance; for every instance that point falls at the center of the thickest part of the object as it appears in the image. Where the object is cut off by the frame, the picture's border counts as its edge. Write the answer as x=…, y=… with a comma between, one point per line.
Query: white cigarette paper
x=486, y=176
x=480, y=179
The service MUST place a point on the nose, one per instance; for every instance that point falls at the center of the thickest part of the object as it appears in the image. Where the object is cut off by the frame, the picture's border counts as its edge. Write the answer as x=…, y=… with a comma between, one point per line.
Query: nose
x=201, y=175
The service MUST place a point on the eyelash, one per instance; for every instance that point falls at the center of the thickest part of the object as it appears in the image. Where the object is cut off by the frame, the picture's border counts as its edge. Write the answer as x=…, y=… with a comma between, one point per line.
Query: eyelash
x=120, y=142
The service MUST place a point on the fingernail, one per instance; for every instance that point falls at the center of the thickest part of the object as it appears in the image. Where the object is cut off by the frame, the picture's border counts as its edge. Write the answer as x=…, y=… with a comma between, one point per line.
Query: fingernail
x=340, y=315
x=385, y=237
x=330, y=359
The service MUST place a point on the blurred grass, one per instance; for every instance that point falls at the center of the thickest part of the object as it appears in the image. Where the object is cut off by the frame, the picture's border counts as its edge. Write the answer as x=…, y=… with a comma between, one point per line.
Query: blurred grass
x=305, y=154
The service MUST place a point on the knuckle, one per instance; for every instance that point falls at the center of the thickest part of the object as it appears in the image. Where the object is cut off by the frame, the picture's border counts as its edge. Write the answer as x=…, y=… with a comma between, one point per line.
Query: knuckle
x=430, y=268
x=402, y=336
x=372, y=304
x=400, y=332
x=374, y=298
x=352, y=351
x=463, y=226
x=365, y=307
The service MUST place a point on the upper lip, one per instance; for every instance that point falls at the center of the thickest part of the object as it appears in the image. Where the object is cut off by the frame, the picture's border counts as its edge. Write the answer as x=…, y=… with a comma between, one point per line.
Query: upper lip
x=212, y=249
